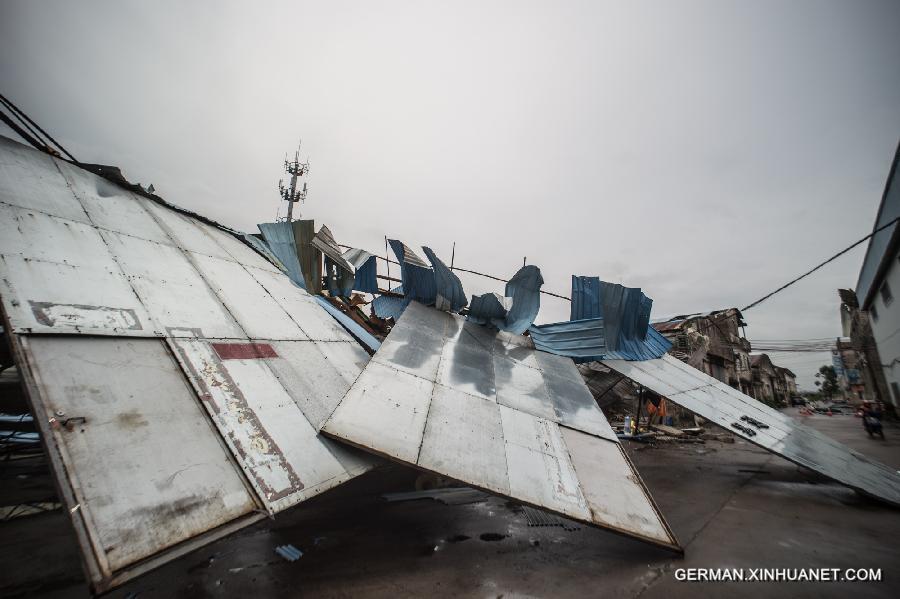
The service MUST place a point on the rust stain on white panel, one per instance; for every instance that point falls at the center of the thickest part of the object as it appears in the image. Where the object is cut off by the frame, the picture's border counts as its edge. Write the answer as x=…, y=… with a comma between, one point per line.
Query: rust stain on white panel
x=258, y=453
x=83, y=316
x=70, y=299
x=147, y=469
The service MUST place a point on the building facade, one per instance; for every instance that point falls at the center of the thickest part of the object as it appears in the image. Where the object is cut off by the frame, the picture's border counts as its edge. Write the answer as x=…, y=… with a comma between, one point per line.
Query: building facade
x=859, y=338
x=879, y=280
x=712, y=342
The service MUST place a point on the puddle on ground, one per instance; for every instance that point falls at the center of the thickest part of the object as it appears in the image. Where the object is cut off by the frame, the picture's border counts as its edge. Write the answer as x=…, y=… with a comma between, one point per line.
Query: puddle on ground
x=457, y=538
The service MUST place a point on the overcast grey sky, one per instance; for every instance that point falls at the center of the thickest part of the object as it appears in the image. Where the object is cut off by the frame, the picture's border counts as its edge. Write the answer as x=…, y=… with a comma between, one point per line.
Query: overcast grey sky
x=706, y=151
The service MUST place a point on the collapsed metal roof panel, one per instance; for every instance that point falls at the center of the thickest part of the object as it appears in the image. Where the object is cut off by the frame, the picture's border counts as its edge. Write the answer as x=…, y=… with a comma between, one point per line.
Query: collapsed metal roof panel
x=324, y=241
x=575, y=338
x=417, y=276
x=147, y=469
x=762, y=425
x=484, y=407
x=625, y=311
x=450, y=295
x=357, y=257
x=113, y=296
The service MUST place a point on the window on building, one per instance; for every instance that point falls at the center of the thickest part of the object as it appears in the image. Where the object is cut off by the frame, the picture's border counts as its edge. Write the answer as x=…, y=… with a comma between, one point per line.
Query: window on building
x=874, y=312
x=886, y=296
x=896, y=390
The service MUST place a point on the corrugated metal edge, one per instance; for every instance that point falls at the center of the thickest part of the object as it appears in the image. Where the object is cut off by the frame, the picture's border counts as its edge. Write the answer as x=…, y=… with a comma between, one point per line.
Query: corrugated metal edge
x=363, y=336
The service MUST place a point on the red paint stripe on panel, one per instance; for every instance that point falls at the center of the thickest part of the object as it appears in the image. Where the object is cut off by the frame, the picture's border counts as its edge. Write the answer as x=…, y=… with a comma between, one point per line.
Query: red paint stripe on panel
x=244, y=351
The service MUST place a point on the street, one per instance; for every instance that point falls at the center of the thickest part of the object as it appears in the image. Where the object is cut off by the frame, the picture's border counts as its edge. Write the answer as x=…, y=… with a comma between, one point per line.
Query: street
x=731, y=506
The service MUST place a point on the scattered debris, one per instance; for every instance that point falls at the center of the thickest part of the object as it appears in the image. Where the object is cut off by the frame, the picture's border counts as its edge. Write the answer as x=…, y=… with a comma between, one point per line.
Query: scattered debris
x=669, y=430
x=289, y=552
x=10, y=512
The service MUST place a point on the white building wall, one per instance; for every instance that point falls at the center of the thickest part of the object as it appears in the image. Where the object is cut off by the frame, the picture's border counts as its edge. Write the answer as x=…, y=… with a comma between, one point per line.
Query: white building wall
x=886, y=328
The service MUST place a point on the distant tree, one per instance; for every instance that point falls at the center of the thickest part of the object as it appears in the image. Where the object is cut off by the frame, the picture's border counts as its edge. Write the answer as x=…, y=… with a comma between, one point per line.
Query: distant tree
x=827, y=381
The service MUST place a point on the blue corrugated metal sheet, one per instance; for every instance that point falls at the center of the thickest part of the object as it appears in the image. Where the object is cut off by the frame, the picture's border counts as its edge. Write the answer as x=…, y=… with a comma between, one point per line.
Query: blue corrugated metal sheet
x=338, y=280
x=362, y=335
x=418, y=277
x=652, y=347
x=450, y=296
x=387, y=306
x=280, y=239
x=486, y=308
x=585, y=341
x=575, y=338
x=365, y=278
x=625, y=313
x=260, y=246
x=585, y=298
x=517, y=310
x=525, y=290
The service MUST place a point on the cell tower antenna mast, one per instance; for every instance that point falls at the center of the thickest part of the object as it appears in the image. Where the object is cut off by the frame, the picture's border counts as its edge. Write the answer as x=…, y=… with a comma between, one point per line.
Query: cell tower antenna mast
x=291, y=195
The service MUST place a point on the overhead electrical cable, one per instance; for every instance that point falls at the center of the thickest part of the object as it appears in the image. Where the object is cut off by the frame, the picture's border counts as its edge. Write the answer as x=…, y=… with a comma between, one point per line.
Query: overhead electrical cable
x=817, y=267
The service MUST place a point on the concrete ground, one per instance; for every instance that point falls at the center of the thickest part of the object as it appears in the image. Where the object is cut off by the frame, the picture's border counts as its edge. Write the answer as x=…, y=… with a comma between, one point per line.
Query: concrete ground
x=731, y=505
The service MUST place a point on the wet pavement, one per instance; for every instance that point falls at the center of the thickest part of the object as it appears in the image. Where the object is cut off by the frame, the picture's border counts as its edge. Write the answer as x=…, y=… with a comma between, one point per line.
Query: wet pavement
x=731, y=505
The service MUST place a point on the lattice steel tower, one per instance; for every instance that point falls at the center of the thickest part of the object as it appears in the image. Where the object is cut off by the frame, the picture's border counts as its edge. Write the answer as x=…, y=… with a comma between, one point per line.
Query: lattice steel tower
x=295, y=169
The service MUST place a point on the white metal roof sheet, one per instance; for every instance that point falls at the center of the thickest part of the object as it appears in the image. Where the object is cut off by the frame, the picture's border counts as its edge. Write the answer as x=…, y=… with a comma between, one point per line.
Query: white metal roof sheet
x=775, y=431
x=92, y=264
x=483, y=407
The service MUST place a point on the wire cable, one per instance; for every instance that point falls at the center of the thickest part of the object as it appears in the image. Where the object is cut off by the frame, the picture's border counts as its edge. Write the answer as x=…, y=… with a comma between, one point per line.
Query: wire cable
x=817, y=267
x=18, y=112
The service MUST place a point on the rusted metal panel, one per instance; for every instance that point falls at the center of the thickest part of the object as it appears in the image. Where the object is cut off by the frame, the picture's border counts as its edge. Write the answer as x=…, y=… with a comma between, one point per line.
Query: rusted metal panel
x=48, y=297
x=146, y=467
x=762, y=425
x=483, y=407
x=79, y=255
x=271, y=438
x=58, y=276
x=243, y=351
x=310, y=258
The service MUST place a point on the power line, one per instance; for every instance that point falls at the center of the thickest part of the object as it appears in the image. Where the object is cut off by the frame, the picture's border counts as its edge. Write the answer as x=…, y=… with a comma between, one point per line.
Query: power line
x=29, y=123
x=817, y=267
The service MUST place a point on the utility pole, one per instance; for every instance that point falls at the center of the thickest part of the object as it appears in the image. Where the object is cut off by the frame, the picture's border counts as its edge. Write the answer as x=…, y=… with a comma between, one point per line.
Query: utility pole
x=290, y=194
